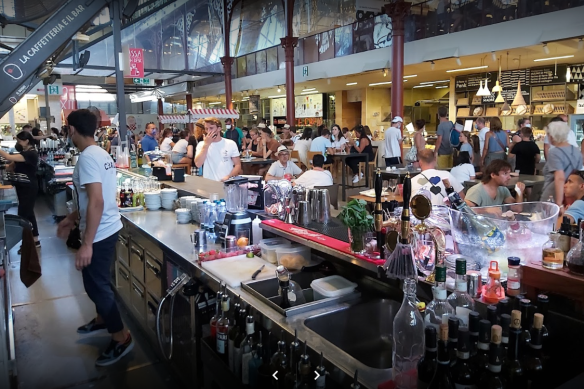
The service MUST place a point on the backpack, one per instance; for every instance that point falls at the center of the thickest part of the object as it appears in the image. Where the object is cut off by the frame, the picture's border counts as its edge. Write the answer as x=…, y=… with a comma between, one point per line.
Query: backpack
x=454, y=136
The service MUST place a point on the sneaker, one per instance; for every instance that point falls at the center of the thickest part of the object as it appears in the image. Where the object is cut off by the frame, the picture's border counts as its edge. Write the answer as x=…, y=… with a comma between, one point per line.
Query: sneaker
x=90, y=327
x=360, y=174
x=355, y=179
x=115, y=351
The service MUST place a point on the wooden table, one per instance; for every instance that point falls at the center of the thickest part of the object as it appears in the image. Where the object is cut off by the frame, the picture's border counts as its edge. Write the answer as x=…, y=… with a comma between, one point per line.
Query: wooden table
x=246, y=166
x=527, y=179
x=400, y=174
x=343, y=158
x=369, y=199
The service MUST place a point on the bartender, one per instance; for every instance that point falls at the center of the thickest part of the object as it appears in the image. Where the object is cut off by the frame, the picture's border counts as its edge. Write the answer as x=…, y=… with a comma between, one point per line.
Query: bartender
x=283, y=167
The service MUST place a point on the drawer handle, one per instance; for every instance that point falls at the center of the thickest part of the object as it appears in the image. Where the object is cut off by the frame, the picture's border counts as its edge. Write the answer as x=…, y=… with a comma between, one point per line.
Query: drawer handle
x=152, y=306
x=137, y=289
x=137, y=252
x=153, y=269
x=124, y=274
x=123, y=240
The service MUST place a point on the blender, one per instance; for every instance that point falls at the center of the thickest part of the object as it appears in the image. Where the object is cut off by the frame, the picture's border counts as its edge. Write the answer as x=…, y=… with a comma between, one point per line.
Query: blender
x=237, y=221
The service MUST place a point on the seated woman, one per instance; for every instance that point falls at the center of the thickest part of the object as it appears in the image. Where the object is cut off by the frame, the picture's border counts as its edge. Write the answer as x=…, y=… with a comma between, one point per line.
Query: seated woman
x=179, y=151
x=166, y=143
x=302, y=145
x=464, y=171
x=360, y=145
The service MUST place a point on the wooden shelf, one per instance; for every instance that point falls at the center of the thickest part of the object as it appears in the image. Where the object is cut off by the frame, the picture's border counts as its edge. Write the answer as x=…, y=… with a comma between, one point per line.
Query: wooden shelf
x=536, y=278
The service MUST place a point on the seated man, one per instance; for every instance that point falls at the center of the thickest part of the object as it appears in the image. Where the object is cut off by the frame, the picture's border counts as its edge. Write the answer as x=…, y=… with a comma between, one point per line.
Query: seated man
x=574, y=188
x=493, y=188
x=317, y=176
x=282, y=167
x=432, y=179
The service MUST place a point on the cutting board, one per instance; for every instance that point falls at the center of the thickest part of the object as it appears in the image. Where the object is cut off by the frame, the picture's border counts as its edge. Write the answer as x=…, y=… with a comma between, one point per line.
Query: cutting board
x=235, y=270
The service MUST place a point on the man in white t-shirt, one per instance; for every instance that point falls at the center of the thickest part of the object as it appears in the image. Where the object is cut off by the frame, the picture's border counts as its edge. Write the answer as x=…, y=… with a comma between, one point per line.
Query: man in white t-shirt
x=482, y=132
x=571, y=136
x=282, y=166
x=432, y=179
x=218, y=156
x=317, y=176
x=393, y=140
x=97, y=211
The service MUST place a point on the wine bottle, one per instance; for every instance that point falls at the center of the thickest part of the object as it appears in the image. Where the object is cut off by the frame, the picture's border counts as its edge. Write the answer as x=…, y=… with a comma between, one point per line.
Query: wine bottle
x=473, y=331
x=291, y=377
x=222, y=336
x=505, y=321
x=305, y=372
x=243, y=349
x=512, y=371
x=427, y=364
x=279, y=361
x=492, y=315
x=491, y=379
x=464, y=374
x=442, y=378
x=216, y=317
x=481, y=360
x=439, y=309
x=321, y=380
x=233, y=334
x=524, y=308
x=265, y=370
x=534, y=367
x=453, y=326
x=460, y=300
x=542, y=307
x=256, y=360
x=504, y=306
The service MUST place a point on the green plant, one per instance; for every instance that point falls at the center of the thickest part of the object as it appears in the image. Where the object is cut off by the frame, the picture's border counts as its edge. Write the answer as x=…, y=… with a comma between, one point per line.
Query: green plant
x=354, y=215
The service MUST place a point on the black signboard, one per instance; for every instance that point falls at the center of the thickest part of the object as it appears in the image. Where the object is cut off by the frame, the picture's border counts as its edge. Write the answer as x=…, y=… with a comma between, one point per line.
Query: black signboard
x=460, y=83
x=548, y=75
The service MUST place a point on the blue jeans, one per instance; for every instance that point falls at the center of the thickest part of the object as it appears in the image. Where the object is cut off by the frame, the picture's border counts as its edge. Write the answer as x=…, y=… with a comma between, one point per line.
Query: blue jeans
x=96, y=280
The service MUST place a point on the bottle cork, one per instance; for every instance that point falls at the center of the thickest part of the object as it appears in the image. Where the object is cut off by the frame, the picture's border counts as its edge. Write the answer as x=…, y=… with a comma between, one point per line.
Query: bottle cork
x=496, y=332
x=443, y=331
x=537, y=321
x=516, y=319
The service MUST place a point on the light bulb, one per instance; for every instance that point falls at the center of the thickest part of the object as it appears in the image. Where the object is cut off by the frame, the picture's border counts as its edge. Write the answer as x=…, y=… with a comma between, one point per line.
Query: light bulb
x=546, y=49
x=384, y=72
x=432, y=65
x=458, y=61
x=279, y=90
x=494, y=56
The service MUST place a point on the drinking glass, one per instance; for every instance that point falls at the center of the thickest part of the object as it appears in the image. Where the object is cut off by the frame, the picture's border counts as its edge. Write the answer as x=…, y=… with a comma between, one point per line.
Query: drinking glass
x=392, y=184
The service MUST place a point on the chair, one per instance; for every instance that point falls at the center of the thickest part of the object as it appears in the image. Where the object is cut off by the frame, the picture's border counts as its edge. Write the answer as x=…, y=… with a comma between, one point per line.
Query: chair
x=310, y=154
x=296, y=154
x=187, y=167
x=372, y=165
x=334, y=193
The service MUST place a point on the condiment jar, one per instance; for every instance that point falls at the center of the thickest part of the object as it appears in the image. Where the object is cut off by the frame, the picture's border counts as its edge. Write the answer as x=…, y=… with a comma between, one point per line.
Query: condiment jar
x=513, y=276
x=552, y=255
x=493, y=291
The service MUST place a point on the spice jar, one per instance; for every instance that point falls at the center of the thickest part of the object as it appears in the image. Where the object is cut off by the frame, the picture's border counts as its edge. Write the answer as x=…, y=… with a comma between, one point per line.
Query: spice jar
x=513, y=276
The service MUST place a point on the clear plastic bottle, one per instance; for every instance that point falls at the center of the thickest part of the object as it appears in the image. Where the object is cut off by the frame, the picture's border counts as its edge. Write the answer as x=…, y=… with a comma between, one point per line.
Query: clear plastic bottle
x=439, y=308
x=221, y=212
x=408, y=339
x=460, y=299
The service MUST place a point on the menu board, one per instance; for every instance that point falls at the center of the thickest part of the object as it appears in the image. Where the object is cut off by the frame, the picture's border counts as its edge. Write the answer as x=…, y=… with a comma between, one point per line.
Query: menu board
x=278, y=107
x=548, y=75
x=309, y=106
x=254, y=104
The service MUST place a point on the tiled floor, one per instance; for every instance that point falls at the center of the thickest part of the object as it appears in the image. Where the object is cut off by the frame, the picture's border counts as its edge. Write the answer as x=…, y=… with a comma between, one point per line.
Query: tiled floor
x=49, y=352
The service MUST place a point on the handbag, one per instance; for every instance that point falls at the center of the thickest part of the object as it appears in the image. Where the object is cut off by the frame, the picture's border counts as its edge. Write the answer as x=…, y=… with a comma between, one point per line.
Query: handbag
x=412, y=154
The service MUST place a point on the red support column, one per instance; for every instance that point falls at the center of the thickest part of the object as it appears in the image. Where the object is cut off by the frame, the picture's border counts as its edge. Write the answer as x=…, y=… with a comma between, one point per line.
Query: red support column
x=160, y=108
x=227, y=62
x=190, y=126
x=289, y=43
x=397, y=11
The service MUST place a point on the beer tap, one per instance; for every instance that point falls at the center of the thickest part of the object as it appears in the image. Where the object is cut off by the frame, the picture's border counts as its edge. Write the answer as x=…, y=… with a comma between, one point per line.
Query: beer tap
x=378, y=213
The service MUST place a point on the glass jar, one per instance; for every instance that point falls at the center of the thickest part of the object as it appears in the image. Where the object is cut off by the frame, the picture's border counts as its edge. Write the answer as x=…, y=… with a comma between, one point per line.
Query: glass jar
x=575, y=258
x=552, y=254
x=513, y=276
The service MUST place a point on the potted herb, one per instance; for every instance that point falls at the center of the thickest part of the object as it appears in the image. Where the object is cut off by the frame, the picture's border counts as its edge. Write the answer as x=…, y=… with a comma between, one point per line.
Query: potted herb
x=357, y=219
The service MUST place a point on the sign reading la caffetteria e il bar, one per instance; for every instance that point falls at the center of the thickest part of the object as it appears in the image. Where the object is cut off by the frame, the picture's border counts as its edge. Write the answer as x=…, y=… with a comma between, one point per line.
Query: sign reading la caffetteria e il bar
x=27, y=57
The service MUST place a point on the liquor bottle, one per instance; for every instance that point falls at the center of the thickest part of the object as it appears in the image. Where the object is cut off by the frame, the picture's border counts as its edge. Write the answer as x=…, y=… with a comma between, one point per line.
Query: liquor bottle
x=321, y=380
x=439, y=309
x=534, y=359
x=233, y=334
x=481, y=359
x=140, y=155
x=492, y=315
x=575, y=258
x=464, y=374
x=491, y=379
x=552, y=255
x=265, y=370
x=473, y=331
x=256, y=360
x=223, y=336
x=442, y=378
x=542, y=307
x=242, y=345
x=512, y=371
x=565, y=234
x=453, y=326
x=291, y=378
x=487, y=234
x=305, y=373
x=408, y=338
x=279, y=361
x=296, y=345
x=505, y=322
x=427, y=364
x=216, y=317
x=460, y=299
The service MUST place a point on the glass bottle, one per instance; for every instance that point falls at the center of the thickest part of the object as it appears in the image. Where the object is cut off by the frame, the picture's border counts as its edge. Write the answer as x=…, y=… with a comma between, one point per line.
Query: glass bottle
x=216, y=317
x=427, y=364
x=513, y=276
x=233, y=333
x=255, y=362
x=442, y=378
x=481, y=360
x=575, y=233
x=542, y=307
x=493, y=291
x=492, y=315
x=320, y=369
x=439, y=309
x=460, y=299
x=265, y=370
x=492, y=379
x=512, y=370
x=453, y=326
x=524, y=309
x=222, y=336
x=552, y=255
x=534, y=360
x=241, y=340
x=464, y=374
x=291, y=378
x=473, y=331
x=505, y=322
x=504, y=306
x=564, y=235
x=305, y=372
x=408, y=338
x=246, y=347
x=575, y=258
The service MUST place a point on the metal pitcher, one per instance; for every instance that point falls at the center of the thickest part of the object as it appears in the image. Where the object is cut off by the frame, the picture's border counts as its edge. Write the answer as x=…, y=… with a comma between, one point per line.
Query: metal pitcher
x=324, y=206
x=312, y=199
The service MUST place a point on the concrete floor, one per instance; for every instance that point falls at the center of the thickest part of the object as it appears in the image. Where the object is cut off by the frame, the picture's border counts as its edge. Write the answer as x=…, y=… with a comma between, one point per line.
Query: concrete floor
x=49, y=352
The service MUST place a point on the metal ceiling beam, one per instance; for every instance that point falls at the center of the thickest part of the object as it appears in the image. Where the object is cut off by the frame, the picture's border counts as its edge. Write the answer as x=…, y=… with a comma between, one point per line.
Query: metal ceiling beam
x=146, y=71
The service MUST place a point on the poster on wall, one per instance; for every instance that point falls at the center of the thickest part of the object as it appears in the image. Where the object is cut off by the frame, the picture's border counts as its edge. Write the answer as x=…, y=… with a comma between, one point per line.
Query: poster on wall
x=309, y=106
x=254, y=104
x=279, y=107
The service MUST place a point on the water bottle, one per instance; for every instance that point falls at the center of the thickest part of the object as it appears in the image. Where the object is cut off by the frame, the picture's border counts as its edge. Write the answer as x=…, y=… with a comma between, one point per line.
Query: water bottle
x=204, y=215
x=221, y=212
x=211, y=221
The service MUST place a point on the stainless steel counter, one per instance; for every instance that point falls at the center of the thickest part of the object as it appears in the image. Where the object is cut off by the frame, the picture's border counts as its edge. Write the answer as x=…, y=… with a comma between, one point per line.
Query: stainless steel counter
x=162, y=227
x=198, y=186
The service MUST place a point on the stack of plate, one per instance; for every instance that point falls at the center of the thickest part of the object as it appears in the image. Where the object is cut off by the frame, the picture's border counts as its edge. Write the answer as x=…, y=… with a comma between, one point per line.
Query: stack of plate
x=183, y=216
x=168, y=197
x=194, y=206
x=185, y=201
x=152, y=200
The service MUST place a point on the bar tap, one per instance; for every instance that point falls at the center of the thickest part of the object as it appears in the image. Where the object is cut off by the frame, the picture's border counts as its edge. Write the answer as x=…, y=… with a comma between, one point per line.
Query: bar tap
x=378, y=213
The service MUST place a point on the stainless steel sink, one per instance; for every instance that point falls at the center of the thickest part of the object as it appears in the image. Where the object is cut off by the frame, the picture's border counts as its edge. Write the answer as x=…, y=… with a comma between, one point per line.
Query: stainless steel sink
x=364, y=331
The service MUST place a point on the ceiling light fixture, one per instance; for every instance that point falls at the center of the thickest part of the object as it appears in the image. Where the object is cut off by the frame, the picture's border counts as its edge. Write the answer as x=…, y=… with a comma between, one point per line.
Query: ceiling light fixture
x=351, y=83
x=486, y=90
x=432, y=65
x=546, y=49
x=308, y=89
x=309, y=92
x=380, y=83
x=215, y=103
x=424, y=86
x=442, y=87
x=499, y=98
x=279, y=89
x=568, y=74
x=464, y=69
x=518, y=100
x=580, y=44
x=481, y=91
x=552, y=58
x=411, y=76
x=434, y=82
x=384, y=72
x=493, y=56
x=458, y=61
x=276, y=96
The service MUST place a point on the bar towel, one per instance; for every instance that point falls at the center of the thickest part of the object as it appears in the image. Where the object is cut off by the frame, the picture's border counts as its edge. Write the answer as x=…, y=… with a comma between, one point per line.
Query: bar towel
x=30, y=266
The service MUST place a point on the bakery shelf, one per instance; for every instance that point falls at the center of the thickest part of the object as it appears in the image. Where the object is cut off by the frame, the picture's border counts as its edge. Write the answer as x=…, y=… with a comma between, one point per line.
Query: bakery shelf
x=553, y=95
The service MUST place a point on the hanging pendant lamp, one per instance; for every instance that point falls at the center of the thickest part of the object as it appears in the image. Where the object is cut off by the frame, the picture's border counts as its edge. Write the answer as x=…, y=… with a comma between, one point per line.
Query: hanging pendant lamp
x=486, y=90
x=497, y=87
x=499, y=98
x=518, y=100
x=481, y=91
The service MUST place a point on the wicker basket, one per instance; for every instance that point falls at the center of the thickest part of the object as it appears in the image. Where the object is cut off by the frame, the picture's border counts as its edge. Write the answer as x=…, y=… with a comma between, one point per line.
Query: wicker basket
x=553, y=95
x=558, y=109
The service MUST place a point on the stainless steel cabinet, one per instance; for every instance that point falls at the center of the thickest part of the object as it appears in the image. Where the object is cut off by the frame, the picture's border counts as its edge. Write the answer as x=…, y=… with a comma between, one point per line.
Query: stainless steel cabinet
x=122, y=282
x=138, y=300
x=137, y=260
x=153, y=274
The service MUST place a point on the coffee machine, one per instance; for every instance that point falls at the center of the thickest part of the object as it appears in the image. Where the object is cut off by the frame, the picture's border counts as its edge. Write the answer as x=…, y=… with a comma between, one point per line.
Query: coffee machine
x=237, y=221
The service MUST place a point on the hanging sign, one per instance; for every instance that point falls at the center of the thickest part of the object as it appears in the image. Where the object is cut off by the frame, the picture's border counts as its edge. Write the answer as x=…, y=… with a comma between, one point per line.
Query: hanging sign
x=135, y=64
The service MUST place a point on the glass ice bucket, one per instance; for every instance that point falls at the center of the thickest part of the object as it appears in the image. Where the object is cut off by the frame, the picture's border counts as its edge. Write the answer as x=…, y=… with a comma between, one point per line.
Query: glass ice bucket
x=520, y=234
